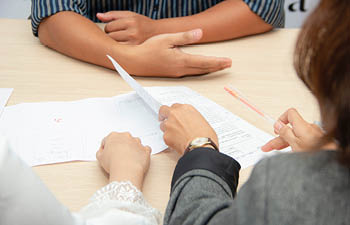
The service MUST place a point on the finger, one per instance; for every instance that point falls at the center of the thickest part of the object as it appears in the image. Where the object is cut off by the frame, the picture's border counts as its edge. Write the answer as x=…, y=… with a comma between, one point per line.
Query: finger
x=176, y=105
x=278, y=125
x=183, y=38
x=163, y=112
x=138, y=140
x=113, y=133
x=128, y=135
x=206, y=62
x=195, y=64
x=98, y=154
x=103, y=143
x=198, y=71
x=288, y=135
x=148, y=149
x=116, y=25
x=104, y=17
x=114, y=15
x=163, y=126
x=121, y=36
x=275, y=144
x=296, y=121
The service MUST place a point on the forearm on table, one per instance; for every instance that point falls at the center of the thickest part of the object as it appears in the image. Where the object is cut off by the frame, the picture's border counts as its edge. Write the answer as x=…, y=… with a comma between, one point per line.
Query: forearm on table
x=226, y=20
x=198, y=196
x=131, y=175
x=76, y=36
x=204, y=184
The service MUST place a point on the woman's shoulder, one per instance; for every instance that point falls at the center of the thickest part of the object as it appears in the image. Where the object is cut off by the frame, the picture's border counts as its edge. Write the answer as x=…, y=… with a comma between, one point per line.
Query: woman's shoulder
x=301, y=184
x=303, y=159
x=319, y=166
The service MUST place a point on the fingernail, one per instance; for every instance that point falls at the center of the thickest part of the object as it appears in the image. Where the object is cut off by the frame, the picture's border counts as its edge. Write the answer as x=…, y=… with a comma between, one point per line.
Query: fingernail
x=278, y=126
x=228, y=64
x=197, y=33
x=263, y=148
x=266, y=148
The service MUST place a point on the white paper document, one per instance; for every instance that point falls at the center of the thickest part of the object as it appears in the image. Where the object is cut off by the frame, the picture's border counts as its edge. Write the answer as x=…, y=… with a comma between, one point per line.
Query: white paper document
x=52, y=132
x=237, y=138
x=149, y=100
x=5, y=94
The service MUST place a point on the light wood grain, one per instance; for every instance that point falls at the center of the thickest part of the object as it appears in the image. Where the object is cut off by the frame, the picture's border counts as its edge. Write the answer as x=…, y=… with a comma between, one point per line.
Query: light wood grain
x=261, y=68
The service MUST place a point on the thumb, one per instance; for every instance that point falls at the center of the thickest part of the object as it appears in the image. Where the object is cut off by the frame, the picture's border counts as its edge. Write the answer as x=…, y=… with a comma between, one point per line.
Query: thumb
x=185, y=38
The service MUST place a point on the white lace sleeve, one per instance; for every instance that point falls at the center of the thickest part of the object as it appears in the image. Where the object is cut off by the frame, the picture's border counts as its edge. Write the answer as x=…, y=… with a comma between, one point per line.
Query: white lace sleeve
x=124, y=202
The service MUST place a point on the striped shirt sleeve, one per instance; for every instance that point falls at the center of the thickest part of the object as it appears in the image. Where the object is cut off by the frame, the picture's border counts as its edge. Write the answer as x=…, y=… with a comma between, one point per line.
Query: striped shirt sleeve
x=271, y=11
x=45, y=8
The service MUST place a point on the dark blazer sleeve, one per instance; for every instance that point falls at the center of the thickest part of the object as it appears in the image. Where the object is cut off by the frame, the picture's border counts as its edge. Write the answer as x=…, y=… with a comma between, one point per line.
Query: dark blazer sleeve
x=204, y=187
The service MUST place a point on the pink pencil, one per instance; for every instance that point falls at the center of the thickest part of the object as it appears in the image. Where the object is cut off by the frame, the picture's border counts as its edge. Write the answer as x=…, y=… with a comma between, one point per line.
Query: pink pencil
x=235, y=93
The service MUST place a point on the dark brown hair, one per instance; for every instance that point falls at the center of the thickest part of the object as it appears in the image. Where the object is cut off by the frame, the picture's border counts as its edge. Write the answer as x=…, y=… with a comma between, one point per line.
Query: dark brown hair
x=322, y=61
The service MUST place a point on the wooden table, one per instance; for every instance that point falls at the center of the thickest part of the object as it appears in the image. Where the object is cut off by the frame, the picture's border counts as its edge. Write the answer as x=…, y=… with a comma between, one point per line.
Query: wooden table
x=261, y=68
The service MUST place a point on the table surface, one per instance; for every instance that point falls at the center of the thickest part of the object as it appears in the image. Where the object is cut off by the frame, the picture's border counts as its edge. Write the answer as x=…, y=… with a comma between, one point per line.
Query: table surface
x=261, y=68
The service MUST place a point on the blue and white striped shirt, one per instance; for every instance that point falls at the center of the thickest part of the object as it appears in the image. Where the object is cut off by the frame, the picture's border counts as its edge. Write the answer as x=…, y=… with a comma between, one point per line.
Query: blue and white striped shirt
x=271, y=11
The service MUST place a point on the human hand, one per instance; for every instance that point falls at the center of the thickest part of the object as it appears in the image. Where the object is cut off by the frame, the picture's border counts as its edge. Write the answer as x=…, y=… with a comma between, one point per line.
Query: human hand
x=160, y=56
x=124, y=158
x=301, y=136
x=181, y=124
x=128, y=27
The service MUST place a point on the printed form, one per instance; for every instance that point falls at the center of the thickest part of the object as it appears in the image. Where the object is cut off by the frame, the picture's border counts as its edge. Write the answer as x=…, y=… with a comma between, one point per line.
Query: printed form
x=237, y=138
x=51, y=132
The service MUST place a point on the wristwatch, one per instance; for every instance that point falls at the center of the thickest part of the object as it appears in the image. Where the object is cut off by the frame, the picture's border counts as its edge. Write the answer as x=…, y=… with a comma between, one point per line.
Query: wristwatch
x=200, y=142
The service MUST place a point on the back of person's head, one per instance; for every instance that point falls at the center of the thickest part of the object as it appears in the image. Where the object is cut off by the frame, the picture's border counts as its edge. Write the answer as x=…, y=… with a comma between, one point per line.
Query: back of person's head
x=322, y=61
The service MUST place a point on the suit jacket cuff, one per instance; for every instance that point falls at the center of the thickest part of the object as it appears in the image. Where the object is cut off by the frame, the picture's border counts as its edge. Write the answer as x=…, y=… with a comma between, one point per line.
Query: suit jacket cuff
x=209, y=159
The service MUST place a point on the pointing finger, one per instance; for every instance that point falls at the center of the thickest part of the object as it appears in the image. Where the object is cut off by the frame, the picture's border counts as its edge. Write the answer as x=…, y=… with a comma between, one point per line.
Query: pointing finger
x=275, y=144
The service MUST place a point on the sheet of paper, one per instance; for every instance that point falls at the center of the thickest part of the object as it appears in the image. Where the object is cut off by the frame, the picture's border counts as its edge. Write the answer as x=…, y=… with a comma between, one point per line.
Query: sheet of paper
x=150, y=101
x=51, y=132
x=237, y=138
x=5, y=94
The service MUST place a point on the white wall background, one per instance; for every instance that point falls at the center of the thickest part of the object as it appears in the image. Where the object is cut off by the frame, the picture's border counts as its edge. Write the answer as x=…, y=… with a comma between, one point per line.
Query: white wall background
x=296, y=10
x=15, y=8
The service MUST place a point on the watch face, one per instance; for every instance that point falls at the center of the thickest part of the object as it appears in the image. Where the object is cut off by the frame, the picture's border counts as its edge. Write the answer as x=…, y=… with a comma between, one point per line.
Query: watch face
x=200, y=141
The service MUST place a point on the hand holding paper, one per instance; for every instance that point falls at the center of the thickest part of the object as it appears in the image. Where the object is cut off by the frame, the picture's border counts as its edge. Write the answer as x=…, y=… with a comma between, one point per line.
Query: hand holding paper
x=181, y=124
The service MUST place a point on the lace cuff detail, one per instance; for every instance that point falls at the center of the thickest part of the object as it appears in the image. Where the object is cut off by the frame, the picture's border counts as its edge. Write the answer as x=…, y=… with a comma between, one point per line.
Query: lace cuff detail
x=123, y=196
x=120, y=191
